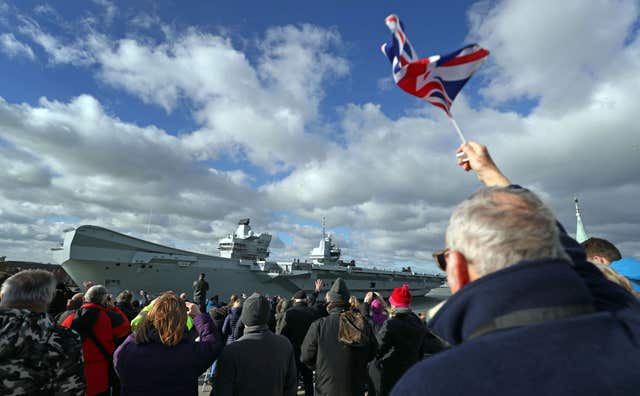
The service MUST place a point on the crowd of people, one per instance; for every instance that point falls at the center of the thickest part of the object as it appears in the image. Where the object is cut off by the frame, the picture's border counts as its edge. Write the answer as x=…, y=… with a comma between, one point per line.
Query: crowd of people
x=531, y=312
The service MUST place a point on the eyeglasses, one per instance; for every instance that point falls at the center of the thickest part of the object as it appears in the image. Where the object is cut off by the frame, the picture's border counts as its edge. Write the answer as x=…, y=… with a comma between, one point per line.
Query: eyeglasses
x=440, y=258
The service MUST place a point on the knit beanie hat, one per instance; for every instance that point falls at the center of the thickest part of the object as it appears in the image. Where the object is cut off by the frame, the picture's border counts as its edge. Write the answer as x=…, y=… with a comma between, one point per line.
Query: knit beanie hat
x=255, y=310
x=339, y=291
x=401, y=297
x=376, y=312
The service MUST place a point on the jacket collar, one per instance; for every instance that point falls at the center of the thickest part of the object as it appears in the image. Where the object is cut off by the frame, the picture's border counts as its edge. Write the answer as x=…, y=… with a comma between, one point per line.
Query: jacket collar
x=526, y=285
x=255, y=332
x=336, y=309
x=92, y=305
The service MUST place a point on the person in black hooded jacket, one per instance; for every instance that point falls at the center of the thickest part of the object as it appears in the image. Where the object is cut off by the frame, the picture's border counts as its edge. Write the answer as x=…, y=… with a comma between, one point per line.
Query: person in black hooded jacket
x=294, y=325
x=339, y=346
x=260, y=362
x=401, y=343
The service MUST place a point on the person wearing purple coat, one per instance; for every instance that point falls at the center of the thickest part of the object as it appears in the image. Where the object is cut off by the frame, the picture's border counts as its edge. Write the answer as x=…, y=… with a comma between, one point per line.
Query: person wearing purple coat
x=158, y=359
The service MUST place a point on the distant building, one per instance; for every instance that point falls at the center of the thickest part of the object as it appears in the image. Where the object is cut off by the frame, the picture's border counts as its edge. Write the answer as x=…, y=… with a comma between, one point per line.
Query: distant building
x=13, y=267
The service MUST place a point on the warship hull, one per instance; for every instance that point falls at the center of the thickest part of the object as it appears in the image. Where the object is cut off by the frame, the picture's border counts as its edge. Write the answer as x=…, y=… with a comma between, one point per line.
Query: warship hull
x=122, y=262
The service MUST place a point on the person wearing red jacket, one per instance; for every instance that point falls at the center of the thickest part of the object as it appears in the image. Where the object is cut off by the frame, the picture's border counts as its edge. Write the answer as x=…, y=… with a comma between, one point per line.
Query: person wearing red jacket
x=99, y=324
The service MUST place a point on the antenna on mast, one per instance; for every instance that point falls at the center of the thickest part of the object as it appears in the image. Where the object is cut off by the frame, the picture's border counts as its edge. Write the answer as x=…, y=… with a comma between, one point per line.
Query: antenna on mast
x=581, y=232
x=324, y=224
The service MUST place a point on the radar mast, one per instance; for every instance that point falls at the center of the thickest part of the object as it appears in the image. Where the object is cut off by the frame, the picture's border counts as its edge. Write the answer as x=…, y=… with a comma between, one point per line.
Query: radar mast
x=581, y=232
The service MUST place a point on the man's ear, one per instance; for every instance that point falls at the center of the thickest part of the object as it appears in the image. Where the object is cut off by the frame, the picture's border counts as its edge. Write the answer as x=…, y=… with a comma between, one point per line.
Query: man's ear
x=457, y=271
x=599, y=260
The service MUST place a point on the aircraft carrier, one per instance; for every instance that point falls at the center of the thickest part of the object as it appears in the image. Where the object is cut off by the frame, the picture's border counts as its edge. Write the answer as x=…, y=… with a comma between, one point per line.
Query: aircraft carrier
x=119, y=261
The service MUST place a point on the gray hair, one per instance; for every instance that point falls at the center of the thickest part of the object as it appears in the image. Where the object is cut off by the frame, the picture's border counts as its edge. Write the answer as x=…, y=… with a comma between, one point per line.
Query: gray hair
x=28, y=287
x=96, y=294
x=499, y=226
x=76, y=301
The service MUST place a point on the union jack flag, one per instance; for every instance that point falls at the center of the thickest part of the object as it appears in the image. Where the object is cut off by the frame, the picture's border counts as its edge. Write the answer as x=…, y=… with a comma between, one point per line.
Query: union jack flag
x=436, y=79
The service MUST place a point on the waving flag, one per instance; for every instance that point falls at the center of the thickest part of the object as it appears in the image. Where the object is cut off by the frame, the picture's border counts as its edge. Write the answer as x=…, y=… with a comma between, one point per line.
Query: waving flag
x=436, y=79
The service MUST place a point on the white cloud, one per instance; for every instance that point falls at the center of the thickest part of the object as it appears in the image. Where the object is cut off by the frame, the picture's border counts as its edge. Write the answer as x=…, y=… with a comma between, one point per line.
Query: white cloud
x=551, y=50
x=260, y=111
x=60, y=53
x=297, y=60
x=110, y=10
x=72, y=161
x=14, y=48
x=385, y=83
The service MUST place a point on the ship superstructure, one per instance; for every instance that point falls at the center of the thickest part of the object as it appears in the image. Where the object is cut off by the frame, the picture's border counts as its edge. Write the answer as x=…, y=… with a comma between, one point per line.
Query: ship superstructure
x=122, y=262
x=245, y=244
x=327, y=251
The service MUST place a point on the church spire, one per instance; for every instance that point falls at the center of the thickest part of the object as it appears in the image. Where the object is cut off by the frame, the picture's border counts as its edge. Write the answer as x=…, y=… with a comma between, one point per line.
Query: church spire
x=581, y=233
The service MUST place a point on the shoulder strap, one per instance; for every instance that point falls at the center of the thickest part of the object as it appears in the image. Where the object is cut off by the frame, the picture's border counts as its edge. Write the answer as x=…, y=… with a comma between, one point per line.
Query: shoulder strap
x=530, y=317
x=101, y=347
x=88, y=331
x=113, y=377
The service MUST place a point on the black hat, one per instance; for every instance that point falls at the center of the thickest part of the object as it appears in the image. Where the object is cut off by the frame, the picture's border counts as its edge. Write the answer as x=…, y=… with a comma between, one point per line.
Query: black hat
x=339, y=291
x=255, y=310
x=300, y=295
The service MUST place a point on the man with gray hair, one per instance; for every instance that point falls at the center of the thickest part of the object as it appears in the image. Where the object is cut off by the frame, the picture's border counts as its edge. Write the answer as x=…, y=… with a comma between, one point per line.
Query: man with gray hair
x=36, y=356
x=528, y=315
x=100, y=324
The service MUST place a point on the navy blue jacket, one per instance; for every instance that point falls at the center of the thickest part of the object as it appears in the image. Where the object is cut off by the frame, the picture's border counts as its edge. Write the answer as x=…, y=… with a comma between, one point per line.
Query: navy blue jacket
x=591, y=353
x=229, y=325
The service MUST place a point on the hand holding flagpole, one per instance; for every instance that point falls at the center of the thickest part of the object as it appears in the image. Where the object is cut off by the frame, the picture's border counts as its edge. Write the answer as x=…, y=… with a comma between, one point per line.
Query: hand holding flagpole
x=480, y=161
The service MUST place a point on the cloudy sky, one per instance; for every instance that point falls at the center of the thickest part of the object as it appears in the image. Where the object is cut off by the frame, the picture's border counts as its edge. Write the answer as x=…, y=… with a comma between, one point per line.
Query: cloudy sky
x=171, y=122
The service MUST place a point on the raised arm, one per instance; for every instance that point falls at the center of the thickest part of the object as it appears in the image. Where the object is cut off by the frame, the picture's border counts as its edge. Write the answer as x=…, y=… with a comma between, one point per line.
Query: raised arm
x=205, y=352
x=365, y=307
x=479, y=160
x=314, y=296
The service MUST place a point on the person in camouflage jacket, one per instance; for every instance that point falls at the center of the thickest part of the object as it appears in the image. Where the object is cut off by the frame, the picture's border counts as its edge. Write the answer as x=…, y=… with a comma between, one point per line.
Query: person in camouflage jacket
x=36, y=355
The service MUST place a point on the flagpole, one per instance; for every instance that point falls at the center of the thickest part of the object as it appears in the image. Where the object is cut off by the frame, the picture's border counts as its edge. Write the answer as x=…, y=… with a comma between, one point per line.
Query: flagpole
x=461, y=155
x=455, y=125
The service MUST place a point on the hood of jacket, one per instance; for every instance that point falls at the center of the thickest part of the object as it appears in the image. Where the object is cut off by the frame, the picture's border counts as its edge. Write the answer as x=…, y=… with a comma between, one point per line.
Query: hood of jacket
x=527, y=285
x=339, y=291
x=255, y=310
x=22, y=330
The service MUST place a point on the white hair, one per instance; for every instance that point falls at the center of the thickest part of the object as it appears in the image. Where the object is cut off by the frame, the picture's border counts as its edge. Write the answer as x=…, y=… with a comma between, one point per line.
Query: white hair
x=96, y=294
x=28, y=287
x=500, y=226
